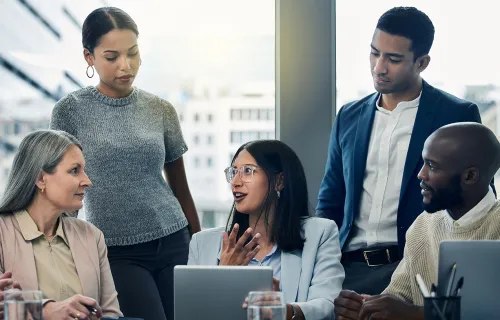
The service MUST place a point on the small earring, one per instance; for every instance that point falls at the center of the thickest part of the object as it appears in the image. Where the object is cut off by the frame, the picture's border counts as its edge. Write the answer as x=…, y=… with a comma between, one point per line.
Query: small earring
x=87, y=72
x=278, y=193
x=42, y=189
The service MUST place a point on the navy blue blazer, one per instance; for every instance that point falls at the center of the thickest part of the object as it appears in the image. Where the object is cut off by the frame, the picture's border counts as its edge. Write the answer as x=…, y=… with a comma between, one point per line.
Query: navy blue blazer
x=341, y=188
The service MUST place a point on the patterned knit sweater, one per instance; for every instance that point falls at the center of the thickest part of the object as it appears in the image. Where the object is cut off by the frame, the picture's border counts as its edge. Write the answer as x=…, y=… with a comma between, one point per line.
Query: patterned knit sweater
x=421, y=252
x=126, y=143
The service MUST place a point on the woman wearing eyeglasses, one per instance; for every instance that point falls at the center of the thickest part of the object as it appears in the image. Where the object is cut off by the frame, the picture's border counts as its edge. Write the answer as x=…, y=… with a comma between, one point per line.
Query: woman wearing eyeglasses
x=270, y=225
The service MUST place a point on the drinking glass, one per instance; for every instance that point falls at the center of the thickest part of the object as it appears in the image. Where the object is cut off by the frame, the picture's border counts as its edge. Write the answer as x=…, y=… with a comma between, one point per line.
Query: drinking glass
x=266, y=305
x=23, y=305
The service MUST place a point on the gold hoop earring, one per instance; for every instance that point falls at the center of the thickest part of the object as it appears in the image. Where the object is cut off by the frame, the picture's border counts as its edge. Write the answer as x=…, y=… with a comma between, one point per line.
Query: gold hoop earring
x=87, y=72
x=42, y=190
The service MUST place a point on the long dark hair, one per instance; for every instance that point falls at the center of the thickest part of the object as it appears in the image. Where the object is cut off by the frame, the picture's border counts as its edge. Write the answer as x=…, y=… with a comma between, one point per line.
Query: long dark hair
x=277, y=159
x=103, y=20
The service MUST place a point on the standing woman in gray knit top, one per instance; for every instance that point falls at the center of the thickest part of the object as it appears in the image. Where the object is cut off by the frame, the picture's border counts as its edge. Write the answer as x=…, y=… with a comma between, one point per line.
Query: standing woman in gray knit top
x=130, y=137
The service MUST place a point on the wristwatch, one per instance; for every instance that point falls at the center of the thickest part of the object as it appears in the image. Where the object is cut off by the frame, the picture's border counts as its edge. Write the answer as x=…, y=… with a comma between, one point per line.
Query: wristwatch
x=295, y=313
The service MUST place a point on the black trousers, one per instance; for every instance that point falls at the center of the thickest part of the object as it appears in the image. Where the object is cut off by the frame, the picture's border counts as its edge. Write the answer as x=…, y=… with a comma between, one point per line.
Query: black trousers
x=143, y=275
x=364, y=279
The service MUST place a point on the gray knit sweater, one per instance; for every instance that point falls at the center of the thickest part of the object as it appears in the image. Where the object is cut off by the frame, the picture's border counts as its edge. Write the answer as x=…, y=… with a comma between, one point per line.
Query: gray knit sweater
x=126, y=143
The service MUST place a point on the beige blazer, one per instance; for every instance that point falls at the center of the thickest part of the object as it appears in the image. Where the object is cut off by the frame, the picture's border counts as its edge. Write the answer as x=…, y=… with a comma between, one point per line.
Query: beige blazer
x=89, y=253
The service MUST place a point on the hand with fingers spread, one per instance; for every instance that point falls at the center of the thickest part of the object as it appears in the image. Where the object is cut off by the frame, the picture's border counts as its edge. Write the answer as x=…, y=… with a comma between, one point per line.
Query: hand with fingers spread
x=237, y=253
x=348, y=305
x=5, y=283
x=74, y=308
x=387, y=307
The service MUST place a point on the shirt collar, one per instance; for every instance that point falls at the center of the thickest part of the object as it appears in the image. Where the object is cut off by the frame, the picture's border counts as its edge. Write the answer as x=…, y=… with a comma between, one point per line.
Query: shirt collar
x=403, y=105
x=29, y=229
x=273, y=251
x=478, y=212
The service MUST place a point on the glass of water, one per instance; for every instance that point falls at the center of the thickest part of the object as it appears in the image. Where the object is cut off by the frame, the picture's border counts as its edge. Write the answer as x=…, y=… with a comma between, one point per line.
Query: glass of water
x=266, y=305
x=23, y=305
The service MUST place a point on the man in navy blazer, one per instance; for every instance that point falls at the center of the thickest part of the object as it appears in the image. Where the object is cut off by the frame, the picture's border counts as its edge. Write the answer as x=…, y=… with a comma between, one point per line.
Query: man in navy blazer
x=370, y=188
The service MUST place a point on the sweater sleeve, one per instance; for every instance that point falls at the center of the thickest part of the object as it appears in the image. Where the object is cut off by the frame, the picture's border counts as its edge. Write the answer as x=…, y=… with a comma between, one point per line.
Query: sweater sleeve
x=61, y=118
x=403, y=283
x=400, y=285
x=175, y=146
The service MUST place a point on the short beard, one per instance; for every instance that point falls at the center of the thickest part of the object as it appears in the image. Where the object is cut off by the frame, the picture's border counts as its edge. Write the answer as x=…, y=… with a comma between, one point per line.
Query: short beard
x=445, y=198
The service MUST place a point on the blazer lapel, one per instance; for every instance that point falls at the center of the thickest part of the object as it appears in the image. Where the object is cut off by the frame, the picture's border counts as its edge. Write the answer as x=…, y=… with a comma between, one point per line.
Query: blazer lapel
x=291, y=267
x=82, y=259
x=361, y=143
x=421, y=130
x=24, y=264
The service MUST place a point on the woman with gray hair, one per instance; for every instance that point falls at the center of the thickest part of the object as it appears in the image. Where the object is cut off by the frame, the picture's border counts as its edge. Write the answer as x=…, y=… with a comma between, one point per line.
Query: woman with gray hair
x=41, y=246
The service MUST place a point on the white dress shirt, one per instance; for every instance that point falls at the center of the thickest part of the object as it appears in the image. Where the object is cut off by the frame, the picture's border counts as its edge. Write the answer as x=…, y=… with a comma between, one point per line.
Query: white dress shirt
x=376, y=223
x=478, y=212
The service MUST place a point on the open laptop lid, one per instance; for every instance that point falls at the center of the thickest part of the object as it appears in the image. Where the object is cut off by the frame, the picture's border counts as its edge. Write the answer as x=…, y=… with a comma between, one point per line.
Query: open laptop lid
x=478, y=261
x=216, y=292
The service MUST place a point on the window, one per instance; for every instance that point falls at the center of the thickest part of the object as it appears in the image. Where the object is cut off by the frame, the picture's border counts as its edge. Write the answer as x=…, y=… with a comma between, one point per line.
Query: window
x=446, y=71
x=235, y=136
x=17, y=128
x=254, y=114
x=235, y=114
x=245, y=114
x=238, y=49
x=253, y=135
x=72, y=18
x=263, y=114
x=40, y=18
x=270, y=114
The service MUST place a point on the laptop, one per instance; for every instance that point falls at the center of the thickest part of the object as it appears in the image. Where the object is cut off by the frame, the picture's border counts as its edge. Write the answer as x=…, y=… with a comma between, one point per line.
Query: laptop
x=478, y=262
x=216, y=292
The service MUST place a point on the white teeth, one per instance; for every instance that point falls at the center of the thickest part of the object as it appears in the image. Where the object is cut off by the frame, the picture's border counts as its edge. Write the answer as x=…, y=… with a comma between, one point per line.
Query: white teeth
x=238, y=194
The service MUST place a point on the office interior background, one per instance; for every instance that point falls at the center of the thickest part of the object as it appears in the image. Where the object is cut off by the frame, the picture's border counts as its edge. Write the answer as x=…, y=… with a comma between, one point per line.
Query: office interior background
x=237, y=71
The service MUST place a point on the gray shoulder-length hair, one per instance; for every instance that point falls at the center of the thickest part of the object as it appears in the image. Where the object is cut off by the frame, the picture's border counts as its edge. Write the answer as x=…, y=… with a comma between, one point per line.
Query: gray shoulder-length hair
x=40, y=151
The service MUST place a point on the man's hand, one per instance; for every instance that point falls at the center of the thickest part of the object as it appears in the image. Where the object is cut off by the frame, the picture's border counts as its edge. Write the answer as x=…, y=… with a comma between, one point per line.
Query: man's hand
x=348, y=305
x=386, y=307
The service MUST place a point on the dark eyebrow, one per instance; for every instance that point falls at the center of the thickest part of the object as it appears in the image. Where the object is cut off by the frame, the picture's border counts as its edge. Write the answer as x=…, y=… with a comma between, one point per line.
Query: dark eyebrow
x=114, y=51
x=431, y=162
x=394, y=55
x=246, y=164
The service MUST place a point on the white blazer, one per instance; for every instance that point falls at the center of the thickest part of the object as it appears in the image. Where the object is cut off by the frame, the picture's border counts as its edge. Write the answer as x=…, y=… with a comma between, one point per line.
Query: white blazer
x=311, y=278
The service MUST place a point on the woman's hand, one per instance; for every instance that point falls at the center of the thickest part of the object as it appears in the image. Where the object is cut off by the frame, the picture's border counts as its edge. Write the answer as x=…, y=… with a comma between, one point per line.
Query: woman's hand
x=73, y=308
x=5, y=282
x=236, y=253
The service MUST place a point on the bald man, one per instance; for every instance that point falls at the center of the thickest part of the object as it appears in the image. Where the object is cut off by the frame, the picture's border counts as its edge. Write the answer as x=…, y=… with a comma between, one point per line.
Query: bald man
x=459, y=162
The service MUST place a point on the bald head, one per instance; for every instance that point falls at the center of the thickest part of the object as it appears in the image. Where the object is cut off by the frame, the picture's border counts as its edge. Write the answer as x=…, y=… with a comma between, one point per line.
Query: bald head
x=460, y=146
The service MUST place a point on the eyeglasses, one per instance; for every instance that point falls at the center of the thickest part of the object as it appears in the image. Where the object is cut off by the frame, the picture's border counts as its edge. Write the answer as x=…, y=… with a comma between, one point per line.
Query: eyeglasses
x=246, y=173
